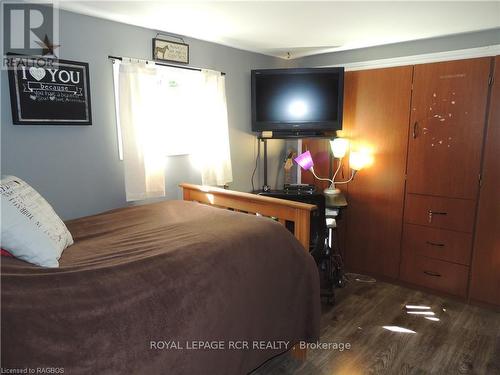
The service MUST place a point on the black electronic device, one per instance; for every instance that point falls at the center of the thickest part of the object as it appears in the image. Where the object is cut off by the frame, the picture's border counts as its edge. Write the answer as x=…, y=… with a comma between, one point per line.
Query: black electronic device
x=296, y=102
x=299, y=189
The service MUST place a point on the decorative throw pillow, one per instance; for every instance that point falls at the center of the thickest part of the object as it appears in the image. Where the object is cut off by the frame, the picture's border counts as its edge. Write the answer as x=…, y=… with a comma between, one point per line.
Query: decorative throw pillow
x=31, y=230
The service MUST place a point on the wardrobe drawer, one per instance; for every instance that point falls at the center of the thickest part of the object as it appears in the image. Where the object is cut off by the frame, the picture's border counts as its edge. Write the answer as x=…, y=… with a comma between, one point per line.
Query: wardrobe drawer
x=437, y=212
x=435, y=243
x=435, y=274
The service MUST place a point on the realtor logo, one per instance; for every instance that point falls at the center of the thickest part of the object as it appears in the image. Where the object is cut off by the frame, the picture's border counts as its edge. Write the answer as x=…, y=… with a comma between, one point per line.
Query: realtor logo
x=30, y=29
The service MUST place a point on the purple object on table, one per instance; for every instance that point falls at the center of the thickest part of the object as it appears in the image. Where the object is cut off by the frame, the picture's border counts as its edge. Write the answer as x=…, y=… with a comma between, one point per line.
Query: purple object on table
x=305, y=160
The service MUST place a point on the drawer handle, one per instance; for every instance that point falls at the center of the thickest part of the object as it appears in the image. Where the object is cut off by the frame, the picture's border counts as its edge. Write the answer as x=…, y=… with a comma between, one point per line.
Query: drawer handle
x=434, y=243
x=415, y=129
x=434, y=274
x=432, y=213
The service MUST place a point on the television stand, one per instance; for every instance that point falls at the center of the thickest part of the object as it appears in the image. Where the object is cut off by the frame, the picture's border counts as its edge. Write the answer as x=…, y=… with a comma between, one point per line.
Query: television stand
x=298, y=134
x=265, y=187
x=288, y=135
x=323, y=235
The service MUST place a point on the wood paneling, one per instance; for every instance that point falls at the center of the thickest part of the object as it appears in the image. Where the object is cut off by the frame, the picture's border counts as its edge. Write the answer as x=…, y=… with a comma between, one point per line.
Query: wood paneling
x=320, y=151
x=437, y=212
x=485, y=279
x=447, y=123
x=439, y=244
x=376, y=114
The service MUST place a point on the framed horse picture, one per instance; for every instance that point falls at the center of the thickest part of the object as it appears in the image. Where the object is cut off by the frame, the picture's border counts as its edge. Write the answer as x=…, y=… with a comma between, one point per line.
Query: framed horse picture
x=165, y=50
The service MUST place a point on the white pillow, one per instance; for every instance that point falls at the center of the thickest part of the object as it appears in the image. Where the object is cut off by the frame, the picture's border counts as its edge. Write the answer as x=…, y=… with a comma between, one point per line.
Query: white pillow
x=31, y=230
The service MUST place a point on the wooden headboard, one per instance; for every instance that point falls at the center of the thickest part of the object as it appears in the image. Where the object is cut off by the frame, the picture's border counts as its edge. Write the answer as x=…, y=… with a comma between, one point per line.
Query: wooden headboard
x=281, y=209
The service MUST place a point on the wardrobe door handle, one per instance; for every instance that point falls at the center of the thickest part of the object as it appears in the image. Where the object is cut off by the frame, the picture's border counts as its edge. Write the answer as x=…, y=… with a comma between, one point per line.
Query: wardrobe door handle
x=434, y=243
x=434, y=274
x=415, y=128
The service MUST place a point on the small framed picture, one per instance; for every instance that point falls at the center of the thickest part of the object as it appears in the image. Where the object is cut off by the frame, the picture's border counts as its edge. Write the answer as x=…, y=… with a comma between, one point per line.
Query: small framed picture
x=165, y=50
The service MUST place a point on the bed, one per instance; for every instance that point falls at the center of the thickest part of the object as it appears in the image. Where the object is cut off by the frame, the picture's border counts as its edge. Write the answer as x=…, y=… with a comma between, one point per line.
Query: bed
x=175, y=287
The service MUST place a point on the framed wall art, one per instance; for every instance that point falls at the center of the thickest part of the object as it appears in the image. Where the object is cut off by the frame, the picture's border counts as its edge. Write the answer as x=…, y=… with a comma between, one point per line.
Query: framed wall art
x=47, y=91
x=165, y=50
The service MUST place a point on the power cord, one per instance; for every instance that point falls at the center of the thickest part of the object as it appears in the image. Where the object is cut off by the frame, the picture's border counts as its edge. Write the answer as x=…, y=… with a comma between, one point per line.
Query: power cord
x=256, y=163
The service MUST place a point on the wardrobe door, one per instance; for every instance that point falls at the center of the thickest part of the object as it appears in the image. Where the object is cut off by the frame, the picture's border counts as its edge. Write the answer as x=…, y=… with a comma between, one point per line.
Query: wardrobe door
x=446, y=128
x=376, y=108
x=485, y=279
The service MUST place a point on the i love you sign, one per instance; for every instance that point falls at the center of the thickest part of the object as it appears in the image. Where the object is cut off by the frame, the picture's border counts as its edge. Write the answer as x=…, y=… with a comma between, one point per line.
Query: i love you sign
x=49, y=92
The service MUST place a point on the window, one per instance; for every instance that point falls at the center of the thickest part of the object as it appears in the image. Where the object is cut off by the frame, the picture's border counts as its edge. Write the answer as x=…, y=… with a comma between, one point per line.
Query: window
x=164, y=111
x=176, y=96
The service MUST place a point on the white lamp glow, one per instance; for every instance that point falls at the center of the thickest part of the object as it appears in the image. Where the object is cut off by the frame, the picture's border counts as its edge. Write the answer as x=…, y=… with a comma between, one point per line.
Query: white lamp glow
x=339, y=147
x=358, y=160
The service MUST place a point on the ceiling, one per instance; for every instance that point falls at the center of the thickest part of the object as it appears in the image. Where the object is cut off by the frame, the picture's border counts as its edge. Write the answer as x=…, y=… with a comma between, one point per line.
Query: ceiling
x=300, y=28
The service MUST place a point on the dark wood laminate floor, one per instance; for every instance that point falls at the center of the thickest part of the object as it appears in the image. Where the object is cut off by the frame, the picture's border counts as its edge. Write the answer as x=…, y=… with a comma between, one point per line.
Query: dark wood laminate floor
x=465, y=340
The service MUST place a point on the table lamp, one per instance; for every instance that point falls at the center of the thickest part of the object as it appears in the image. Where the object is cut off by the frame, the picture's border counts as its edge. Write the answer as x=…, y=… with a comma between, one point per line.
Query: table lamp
x=339, y=146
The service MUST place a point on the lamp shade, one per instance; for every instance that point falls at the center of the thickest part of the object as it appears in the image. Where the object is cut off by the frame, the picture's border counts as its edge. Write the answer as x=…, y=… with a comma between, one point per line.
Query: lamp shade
x=358, y=160
x=339, y=147
x=305, y=160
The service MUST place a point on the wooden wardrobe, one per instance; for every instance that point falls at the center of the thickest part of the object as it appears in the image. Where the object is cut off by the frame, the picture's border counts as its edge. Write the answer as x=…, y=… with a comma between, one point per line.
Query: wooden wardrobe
x=447, y=123
x=427, y=211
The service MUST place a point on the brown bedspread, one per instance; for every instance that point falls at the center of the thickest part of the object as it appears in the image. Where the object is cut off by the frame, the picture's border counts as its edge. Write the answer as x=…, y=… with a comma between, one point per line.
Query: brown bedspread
x=177, y=272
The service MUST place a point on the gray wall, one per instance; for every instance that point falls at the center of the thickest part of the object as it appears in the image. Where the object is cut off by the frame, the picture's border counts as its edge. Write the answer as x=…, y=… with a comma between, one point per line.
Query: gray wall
x=417, y=47
x=76, y=168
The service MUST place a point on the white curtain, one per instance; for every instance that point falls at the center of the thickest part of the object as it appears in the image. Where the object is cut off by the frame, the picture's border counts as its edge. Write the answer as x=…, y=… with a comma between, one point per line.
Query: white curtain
x=142, y=133
x=164, y=111
x=212, y=152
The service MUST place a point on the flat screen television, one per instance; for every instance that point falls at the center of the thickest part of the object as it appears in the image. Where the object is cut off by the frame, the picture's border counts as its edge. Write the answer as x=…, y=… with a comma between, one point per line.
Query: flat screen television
x=297, y=101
